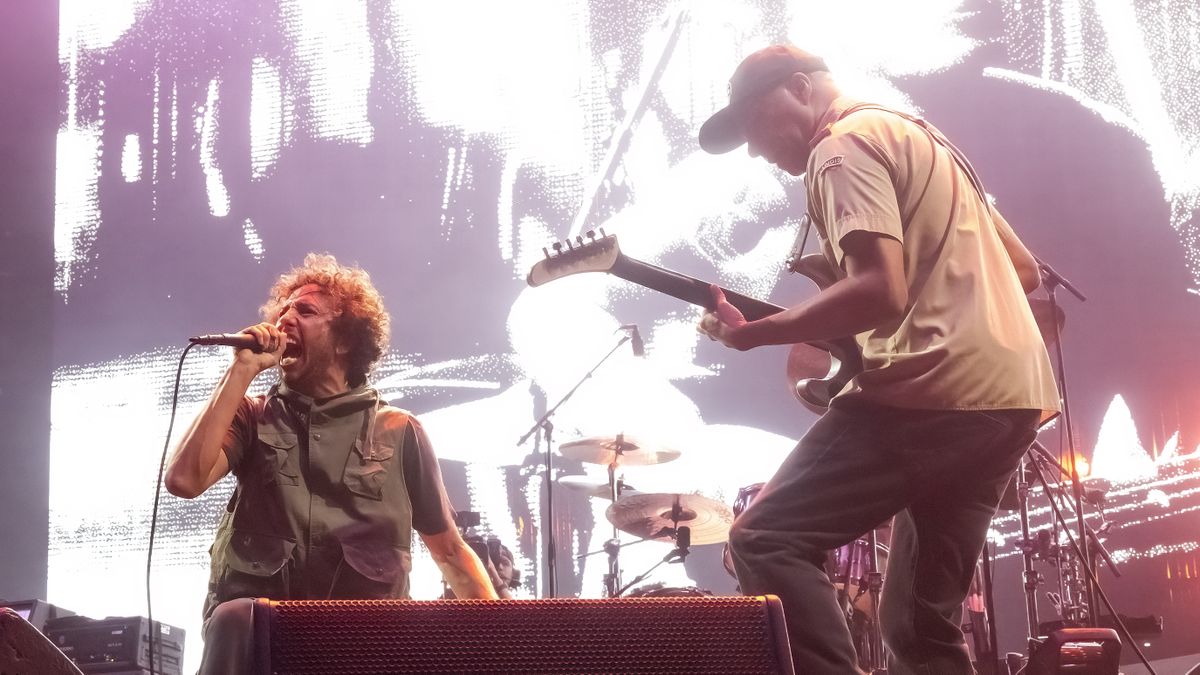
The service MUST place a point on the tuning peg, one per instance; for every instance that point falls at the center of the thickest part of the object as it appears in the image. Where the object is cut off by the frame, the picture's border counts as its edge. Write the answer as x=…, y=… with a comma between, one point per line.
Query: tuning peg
x=591, y=234
x=602, y=234
x=546, y=252
x=569, y=246
x=557, y=246
x=579, y=240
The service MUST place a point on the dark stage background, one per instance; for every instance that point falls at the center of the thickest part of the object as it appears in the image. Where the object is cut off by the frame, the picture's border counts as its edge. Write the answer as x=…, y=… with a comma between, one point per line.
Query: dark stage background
x=165, y=160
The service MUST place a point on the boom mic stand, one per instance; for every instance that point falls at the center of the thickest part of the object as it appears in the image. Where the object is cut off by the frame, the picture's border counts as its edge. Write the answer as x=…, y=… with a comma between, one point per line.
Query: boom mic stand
x=544, y=423
x=1053, y=280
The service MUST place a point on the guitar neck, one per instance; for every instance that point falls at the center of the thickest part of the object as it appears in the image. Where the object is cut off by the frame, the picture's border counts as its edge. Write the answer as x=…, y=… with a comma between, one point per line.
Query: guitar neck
x=688, y=289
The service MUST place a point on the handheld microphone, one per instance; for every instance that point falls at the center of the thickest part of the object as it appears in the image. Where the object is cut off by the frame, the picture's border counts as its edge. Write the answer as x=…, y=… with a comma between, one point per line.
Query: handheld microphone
x=635, y=339
x=236, y=340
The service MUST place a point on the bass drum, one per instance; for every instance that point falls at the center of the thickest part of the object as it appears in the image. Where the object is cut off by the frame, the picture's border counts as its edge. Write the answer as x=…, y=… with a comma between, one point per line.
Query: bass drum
x=662, y=591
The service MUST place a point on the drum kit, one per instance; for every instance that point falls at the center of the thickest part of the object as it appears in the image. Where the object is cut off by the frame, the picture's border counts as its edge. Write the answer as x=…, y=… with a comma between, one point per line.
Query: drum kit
x=689, y=518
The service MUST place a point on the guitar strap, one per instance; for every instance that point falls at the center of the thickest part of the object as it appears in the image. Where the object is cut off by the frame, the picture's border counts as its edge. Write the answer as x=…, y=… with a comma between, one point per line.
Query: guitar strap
x=936, y=135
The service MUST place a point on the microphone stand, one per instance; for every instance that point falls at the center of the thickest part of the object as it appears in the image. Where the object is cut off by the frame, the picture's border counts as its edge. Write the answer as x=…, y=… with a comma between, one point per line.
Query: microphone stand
x=543, y=423
x=1053, y=280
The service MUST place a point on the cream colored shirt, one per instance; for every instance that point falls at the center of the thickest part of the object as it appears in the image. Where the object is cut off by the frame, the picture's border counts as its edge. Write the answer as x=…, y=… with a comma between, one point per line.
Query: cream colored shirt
x=967, y=339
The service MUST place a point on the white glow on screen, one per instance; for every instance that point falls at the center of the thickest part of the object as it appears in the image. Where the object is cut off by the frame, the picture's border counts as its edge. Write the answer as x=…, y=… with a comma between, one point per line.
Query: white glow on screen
x=131, y=159
x=1119, y=455
x=95, y=25
x=218, y=195
x=76, y=201
x=900, y=39
x=333, y=51
x=266, y=116
x=520, y=75
x=107, y=429
x=254, y=242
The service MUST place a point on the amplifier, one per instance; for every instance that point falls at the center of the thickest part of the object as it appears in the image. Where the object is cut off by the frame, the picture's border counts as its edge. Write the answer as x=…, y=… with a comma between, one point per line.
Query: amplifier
x=36, y=612
x=654, y=636
x=117, y=644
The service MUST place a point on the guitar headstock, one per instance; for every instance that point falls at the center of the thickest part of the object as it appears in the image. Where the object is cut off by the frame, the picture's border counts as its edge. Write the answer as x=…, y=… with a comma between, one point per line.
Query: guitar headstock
x=588, y=253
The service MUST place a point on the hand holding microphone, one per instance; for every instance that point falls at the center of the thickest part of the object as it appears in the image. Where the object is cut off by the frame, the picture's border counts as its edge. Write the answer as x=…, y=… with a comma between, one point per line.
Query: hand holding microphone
x=261, y=345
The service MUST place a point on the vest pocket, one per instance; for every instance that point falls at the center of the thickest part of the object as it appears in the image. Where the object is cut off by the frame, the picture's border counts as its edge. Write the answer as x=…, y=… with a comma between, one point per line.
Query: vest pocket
x=253, y=565
x=375, y=570
x=366, y=471
x=280, y=449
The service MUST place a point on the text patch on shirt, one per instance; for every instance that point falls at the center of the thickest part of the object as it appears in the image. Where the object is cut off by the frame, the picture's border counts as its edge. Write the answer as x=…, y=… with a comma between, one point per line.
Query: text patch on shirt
x=836, y=160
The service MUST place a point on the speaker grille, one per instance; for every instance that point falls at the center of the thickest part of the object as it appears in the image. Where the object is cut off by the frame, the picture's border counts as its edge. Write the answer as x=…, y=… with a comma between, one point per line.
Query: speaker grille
x=625, y=635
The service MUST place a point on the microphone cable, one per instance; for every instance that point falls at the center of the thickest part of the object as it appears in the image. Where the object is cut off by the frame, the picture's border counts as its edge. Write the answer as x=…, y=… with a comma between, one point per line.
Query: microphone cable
x=162, y=463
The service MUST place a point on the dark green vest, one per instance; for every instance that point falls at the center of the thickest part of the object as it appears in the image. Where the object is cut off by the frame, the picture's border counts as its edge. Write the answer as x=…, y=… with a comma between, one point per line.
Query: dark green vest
x=321, y=509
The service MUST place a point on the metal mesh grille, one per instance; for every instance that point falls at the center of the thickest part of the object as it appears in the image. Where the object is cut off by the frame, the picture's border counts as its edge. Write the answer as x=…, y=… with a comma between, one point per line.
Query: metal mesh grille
x=626, y=635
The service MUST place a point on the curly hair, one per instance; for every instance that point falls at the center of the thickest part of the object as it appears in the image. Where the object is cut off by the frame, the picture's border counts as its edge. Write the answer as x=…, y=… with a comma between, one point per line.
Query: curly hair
x=363, y=324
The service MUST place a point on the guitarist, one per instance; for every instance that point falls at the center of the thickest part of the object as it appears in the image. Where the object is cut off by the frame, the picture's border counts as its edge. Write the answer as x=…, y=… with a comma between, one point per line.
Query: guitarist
x=955, y=381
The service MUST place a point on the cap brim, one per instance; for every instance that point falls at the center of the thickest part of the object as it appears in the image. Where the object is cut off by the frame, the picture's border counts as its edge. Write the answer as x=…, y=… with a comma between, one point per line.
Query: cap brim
x=723, y=131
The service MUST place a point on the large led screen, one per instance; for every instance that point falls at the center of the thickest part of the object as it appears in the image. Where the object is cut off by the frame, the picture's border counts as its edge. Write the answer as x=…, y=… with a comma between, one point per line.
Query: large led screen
x=205, y=147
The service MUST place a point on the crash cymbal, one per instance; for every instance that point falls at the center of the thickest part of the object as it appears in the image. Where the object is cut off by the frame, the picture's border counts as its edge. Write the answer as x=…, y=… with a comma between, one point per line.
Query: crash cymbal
x=654, y=515
x=1042, y=313
x=616, y=449
x=593, y=488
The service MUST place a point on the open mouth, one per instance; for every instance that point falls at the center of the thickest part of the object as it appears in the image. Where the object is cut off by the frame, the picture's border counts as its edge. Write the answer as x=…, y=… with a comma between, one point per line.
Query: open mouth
x=291, y=353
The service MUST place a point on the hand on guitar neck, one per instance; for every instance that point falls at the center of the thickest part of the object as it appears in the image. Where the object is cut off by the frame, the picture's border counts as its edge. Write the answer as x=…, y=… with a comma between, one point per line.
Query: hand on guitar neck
x=721, y=323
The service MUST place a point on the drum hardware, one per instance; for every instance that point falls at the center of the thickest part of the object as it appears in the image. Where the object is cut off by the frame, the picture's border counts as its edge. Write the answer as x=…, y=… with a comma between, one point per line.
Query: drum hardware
x=682, y=536
x=663, y=591
x=544, y=426
x=1071, y=559
x=874, y=659
x=621, y=450
x=591, y=488
x=658, y=516
x=684, y=519
x=612, y=452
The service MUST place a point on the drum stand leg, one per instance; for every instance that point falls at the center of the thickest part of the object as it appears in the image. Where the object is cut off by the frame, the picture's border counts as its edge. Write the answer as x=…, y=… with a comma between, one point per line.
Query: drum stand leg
x=612, y=547
x=875, y=661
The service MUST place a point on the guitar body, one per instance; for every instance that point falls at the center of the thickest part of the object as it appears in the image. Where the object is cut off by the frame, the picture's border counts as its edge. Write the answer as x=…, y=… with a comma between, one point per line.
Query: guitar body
x=821, y=369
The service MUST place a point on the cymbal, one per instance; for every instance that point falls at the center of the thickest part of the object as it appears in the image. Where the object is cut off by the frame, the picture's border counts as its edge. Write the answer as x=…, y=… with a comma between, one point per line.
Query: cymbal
x=619, y=450
x=593, y=488
x=655, y=515
x=1042, y=313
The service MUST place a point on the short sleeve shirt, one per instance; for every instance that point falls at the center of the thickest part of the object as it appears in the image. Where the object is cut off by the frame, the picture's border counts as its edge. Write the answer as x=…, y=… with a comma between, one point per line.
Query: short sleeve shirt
x=967, y=339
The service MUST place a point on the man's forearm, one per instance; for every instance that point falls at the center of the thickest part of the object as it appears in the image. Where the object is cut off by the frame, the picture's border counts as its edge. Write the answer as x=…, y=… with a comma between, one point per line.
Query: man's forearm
x=848, y=307
x=465, y=573
x=196, y=455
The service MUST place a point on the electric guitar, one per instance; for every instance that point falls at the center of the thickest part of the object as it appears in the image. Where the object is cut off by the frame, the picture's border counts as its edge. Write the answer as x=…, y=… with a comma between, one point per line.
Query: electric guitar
x=602, y=254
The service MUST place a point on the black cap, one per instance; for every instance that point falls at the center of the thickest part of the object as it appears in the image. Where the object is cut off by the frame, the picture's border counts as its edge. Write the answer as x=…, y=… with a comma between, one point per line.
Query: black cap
x=757, y=74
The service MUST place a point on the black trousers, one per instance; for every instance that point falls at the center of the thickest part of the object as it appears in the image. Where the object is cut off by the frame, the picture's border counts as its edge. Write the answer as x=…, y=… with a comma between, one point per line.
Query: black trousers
x=941, y=473
x=229, y=639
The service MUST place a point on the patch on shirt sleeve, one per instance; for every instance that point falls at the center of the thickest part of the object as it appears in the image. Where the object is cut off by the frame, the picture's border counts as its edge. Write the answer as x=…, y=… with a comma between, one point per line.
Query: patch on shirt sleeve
x=836, y=160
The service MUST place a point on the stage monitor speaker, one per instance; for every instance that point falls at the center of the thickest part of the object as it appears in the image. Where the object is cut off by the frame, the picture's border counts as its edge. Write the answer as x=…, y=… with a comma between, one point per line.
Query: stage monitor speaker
x=25, y=651
x=1086, y=651
x=621, y=635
